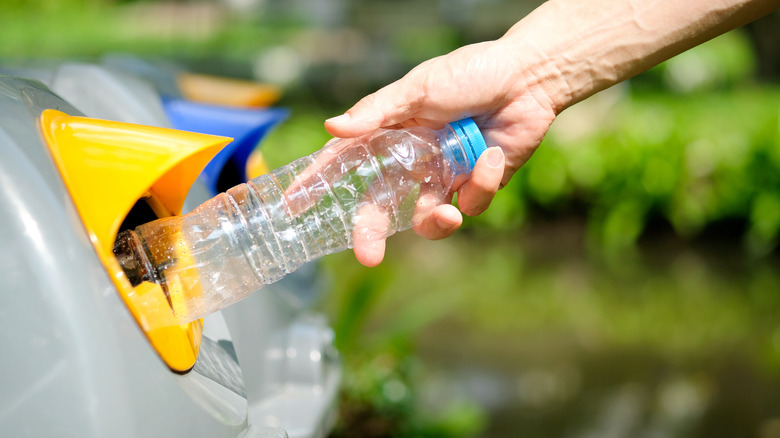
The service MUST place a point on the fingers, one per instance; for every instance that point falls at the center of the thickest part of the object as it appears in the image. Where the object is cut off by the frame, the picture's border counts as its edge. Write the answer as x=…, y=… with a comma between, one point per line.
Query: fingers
x=346, y=125
x=371, y=228
x=390, y=105
x=475, y=195
x=372, y=225
x=370, y=253
x=440, y=223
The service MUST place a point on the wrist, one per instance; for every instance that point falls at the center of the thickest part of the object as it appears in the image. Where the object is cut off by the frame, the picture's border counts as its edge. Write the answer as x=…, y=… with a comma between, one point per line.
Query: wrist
x=545, y=56
x=536, y=73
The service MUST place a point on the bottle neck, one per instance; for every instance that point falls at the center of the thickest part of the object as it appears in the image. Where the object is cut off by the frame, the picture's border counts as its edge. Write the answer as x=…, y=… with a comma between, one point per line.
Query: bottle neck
x=453, y=150
x=132, y=256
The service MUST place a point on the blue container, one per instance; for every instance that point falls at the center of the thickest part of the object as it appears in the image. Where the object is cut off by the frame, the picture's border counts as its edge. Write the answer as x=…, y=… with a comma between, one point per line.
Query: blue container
x=247, y=126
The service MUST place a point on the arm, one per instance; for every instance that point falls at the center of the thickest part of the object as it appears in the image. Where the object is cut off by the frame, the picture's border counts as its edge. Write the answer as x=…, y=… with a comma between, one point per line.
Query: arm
x=588, y=46
x=514, y=87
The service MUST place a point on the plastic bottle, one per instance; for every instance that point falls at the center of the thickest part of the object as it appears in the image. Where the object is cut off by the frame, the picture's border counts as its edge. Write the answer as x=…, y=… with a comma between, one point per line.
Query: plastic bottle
x=254, y=234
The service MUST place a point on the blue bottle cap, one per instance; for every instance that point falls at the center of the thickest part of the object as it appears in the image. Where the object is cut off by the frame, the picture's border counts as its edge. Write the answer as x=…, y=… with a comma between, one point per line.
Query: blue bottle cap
x=471, y=138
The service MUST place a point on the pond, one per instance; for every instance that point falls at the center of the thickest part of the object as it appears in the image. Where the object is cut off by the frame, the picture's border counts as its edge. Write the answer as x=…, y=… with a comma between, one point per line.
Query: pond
x=537, y=336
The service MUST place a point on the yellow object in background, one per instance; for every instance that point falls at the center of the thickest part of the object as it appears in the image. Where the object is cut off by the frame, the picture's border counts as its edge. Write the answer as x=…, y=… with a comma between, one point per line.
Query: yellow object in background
x=227, y=91
x=256, y=165
x=107, y=167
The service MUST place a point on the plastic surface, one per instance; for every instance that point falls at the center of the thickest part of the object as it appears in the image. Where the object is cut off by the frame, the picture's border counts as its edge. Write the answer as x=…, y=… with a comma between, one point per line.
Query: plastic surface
x=471, y=138
x=163, y=75
x=43, y=73
x=99, y=91
x=298, y=370
x=108, y=93
x=246, y=125
x=73, y=362
x=107, y=166
x=136, y=160
x=365, y=188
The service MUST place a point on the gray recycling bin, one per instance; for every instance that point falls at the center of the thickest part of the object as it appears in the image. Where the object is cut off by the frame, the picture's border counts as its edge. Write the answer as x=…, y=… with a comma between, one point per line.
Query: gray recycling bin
x=79, y=361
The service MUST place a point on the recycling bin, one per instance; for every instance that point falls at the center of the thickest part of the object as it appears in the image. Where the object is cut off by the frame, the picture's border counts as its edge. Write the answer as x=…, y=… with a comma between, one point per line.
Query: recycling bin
x=85, y=354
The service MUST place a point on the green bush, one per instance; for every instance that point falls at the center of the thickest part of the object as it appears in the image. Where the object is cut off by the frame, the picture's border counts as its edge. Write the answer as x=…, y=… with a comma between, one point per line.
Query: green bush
x=693, y=160
x=692, y=142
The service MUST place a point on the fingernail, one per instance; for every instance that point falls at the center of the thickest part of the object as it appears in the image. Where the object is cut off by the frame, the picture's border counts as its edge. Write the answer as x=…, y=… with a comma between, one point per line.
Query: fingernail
x=494, y=157
x=339, y=119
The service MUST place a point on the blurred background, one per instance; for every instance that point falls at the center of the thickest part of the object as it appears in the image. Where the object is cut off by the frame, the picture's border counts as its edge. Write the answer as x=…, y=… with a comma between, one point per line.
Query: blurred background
x=625, y=284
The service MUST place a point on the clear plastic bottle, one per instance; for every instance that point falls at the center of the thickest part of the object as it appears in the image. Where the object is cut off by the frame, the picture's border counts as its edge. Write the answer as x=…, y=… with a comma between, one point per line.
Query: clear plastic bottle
x=254, y=234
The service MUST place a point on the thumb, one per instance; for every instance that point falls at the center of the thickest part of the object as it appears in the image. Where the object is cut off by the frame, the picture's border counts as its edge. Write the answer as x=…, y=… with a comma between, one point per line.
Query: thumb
x=391, y=104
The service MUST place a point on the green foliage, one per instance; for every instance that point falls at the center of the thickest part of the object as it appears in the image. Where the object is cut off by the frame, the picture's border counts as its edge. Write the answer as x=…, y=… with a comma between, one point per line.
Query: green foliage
x=533, y=299
x=381, y=397
x=299, y=136
x=724, y=61
x=419, y=44
x=693, y=160
x=90, y=28
x=383, y=379
x=692, y=143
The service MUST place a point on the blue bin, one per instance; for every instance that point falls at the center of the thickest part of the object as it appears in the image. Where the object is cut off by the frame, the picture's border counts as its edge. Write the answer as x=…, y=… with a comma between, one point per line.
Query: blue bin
x=247, y=126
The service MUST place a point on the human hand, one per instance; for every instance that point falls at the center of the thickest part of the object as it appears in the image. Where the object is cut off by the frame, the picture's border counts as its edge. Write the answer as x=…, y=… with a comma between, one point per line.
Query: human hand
x=482, y=81
x=561, y=53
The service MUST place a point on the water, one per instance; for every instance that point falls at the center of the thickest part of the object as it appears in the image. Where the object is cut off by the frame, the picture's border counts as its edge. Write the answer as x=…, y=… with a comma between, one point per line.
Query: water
x=550, y=339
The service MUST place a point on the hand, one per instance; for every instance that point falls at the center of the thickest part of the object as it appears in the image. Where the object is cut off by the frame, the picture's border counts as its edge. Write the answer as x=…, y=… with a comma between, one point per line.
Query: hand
x=482, y=81
x=561, y=53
